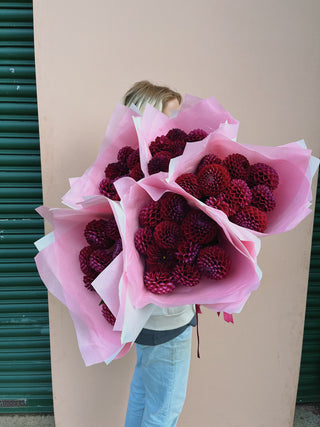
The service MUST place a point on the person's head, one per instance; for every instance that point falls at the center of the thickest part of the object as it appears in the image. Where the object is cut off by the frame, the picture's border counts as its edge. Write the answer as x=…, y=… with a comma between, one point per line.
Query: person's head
x=160, y=97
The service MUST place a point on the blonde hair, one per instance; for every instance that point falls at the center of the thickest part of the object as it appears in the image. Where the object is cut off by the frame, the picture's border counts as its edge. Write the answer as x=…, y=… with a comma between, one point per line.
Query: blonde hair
x=145, y=92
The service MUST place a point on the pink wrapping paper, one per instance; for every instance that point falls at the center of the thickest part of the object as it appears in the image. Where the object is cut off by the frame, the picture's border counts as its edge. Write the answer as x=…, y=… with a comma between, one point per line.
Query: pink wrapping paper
x=58, y=266
x=291, y=161
x=195, y=113
x=243, y=278
x=120, y=132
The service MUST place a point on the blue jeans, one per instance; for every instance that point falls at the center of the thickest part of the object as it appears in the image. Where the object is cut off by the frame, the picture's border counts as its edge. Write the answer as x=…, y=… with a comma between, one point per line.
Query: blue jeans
x=159, y=383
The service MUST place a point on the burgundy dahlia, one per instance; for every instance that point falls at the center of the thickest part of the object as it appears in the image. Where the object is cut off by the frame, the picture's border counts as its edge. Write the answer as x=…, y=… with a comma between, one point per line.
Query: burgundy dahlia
x=262, y=198
x=107, y=314
x=261, y=173
x=107, y=188
x=161, y=143
x=136, y=172
x=133, y=159
x=208, y=159
x=111, y=229
x=159, y=282
x=124, y=153
x=197, y=135
x=213, y=179
x=149, y=215
x=174, y=207
x=177, y=135
x=159, y=162
x=166, y=234
x=186, y=275
x=159, y=257
x=189, y=182
x=142, y=239
x=116, y=248
x=100, y=259
x=219, y=203
x=237, y=195
x=252, y=218
x=237, y=165
x=187, y=251
x=214, y=262
x=198, y=227
x=88, y=279
x=84, y=256
x=115, y=170
x=96, y=234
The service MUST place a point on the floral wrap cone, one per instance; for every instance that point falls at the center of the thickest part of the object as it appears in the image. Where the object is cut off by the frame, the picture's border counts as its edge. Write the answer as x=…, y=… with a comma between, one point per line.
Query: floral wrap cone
x=58, y=266
x=293, y=163
x=230, y=292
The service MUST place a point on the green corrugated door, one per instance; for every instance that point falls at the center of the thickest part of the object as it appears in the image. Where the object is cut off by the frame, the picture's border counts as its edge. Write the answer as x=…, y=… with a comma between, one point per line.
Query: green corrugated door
x=25, y=372
x=309, y=381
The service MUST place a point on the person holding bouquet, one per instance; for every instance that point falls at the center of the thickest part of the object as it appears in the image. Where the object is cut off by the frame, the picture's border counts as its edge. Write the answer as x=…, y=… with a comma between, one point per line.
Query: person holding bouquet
x=159, y=383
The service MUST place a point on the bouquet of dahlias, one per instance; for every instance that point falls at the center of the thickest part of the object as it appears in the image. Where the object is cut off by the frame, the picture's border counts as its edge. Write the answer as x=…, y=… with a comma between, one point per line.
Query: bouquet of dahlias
x=170, y=213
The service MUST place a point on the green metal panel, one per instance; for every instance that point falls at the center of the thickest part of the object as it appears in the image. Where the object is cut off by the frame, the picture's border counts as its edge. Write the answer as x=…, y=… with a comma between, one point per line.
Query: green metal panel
x=309, y=381
x=25, y=370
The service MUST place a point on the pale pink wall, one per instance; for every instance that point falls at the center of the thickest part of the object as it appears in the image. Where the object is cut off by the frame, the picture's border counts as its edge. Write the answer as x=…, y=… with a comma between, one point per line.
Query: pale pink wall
x=261, y=59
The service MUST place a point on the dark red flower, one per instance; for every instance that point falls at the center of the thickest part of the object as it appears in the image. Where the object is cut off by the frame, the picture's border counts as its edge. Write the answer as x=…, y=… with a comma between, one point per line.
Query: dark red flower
x=159, y=162
x=174, y=207
x=252, y=218
x=237, y=195
x=107, y=188
x=142, y=239
x=116, y=170
x=213, y=179
x=187, y=251
x=177, y=135
x=198, y=227
x=133, y=159
x=262, y=198
x=261, y=173
x=214, y=262
x=100, y=259
x=161, y=143
x=166, y=234
x=87, y=280
x=208, y=159
x=84, y=256
x=112, y=229
x=160, y=257
x=107, y=314
x=158, y=282
x=237, y=165
x=218, y=203
x=149, y=215
x=124, y=153
x=189, y=182
x=197, y=135
x=96, y=234
x=136, y=173
x=186, y=275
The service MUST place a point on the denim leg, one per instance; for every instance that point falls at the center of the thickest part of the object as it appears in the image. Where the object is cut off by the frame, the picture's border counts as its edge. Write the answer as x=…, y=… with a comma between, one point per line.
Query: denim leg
x=164, y=371
x=136, y=397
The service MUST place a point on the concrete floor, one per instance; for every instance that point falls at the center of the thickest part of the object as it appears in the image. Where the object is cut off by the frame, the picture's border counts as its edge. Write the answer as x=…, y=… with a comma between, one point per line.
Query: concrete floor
x=305, y=416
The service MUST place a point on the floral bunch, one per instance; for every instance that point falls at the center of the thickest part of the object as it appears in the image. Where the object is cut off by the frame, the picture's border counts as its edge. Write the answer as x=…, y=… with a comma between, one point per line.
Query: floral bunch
x=179, y=244
x=104, y=245
x=243, y=191
x=166, y=147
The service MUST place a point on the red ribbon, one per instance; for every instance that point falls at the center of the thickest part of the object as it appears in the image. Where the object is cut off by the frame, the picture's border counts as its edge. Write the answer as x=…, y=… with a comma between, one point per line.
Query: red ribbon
x=198, y=311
